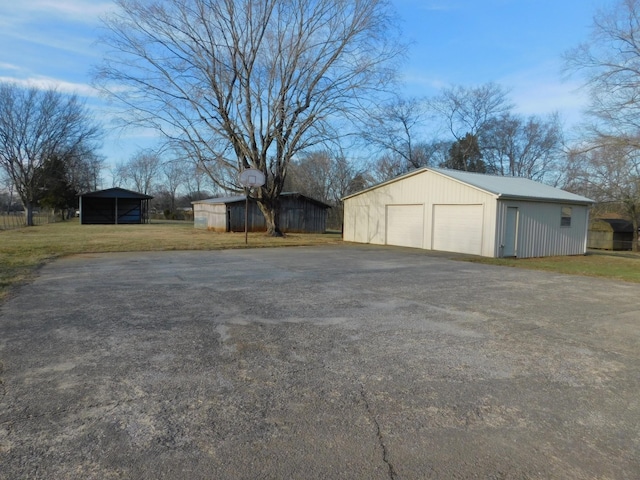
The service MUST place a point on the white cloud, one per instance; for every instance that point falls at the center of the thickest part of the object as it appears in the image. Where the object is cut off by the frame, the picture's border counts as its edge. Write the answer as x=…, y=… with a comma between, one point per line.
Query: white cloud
x=9, y=66
x=83, y=11
x=421, y=84
x=45, y=83
x=68, y=25
x=78, y=9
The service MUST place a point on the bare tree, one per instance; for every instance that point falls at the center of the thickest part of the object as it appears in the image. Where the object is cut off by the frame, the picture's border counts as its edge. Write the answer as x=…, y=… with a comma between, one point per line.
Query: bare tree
x=198, y=184
x=245, y=83
x=610, y=63
x=395, y=129
x=468, y=110
x=518, y=146
x=609, y=174
x=141, y=171
x=35, y=126
x=387, y=166
x=118, y=173
x=312, y=175
x=174, y=178
x=84, y=171
x=608, y=167
x=323, y=175
x=327, y=176
x=390, y=165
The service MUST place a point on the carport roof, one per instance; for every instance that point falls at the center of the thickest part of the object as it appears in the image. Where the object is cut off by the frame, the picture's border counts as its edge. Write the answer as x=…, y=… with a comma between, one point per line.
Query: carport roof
x=502, y=187
x=116, y=193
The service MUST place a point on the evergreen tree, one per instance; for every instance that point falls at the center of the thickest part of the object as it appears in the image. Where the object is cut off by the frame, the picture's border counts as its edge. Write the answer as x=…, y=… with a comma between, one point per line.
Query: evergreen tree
x=465, y=154
x=55, y=190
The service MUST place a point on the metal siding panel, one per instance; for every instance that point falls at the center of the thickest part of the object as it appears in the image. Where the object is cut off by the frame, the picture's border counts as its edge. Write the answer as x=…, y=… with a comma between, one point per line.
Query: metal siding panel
x=500, y=219
x=540, y=233
x=299, y=215
x=361, y=224
x=348, y=219
x=510, y=245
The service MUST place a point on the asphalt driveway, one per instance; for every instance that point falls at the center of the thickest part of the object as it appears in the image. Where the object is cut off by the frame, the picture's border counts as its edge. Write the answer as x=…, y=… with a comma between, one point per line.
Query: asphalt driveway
x=315, y=363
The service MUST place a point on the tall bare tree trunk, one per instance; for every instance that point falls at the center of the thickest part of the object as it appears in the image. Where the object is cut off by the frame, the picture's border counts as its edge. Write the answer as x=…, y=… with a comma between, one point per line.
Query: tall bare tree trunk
x=28, y=214
x=240, y=84
x=271, y=211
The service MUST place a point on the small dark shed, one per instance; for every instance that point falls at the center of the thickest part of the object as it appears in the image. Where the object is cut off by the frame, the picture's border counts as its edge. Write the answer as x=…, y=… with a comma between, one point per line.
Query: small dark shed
x=298, y=214
x=114, y=206
x=610, y=234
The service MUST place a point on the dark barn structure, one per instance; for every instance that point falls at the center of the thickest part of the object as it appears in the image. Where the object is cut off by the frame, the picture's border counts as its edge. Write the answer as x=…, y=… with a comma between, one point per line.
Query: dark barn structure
x=114, y=206
x=610, y=234
x=298, y=214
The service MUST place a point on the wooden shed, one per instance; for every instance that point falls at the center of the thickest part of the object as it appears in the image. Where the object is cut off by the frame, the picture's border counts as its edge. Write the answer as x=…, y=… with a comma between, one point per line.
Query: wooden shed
x=114, y=206
x=456, y=211
x=610, y=234
x=298, y=214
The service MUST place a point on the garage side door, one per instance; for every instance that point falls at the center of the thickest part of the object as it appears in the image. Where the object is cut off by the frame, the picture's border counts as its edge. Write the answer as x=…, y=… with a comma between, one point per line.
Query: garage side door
x=458, y=228
x=405, y=225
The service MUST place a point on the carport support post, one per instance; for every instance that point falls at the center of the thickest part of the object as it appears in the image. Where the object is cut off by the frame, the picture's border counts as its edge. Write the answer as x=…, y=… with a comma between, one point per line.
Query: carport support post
x=246, y=215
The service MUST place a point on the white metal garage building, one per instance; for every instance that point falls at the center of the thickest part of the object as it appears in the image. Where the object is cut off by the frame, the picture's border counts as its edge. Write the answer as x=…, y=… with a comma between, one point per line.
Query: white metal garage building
x=457, y=211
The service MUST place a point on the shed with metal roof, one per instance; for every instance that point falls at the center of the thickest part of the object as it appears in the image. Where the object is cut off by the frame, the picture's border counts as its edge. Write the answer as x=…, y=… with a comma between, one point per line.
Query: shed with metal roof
x=610, y=234
x=472, y=213
x=298, y=214
x=114, y=206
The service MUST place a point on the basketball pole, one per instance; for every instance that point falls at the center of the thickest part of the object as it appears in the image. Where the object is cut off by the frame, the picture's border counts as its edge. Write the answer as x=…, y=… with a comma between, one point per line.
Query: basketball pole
x=246, y=216
x=249, y=177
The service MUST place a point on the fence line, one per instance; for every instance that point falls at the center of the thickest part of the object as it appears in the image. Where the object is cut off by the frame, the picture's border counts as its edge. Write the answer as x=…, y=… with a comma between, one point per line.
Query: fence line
x=17, y=220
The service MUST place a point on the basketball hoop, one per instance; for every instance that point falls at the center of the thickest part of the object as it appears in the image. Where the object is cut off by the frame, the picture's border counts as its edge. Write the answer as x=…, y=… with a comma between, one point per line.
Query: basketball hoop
x=251, y=177
x=248, y=178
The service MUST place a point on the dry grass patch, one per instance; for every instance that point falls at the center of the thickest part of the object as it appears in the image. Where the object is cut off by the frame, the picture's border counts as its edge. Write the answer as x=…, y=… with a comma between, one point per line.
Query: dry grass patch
x=23, y=250
x=615, y=265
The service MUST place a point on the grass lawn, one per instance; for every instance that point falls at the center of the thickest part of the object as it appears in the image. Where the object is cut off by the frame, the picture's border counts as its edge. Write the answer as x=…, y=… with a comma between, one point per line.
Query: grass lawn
x=596, y=263
x=23, y=250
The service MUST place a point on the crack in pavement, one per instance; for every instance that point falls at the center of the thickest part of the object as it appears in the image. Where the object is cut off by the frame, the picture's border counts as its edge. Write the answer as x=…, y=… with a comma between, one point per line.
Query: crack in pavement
x=385, y=452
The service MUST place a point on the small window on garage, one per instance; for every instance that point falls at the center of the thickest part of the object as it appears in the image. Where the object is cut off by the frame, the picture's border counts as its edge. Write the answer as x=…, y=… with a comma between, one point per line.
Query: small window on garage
x=565, y=217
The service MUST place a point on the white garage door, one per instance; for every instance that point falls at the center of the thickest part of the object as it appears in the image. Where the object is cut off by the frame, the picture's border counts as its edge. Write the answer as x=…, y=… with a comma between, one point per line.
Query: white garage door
x=405, y=225
x=458, y=228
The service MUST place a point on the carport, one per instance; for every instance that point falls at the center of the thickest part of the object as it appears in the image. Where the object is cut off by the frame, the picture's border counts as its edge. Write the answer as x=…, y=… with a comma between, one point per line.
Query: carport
x=114, y=206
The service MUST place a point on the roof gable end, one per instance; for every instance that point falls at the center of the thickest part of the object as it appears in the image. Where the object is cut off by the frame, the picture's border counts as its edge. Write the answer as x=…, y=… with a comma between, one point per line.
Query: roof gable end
x=501, y=187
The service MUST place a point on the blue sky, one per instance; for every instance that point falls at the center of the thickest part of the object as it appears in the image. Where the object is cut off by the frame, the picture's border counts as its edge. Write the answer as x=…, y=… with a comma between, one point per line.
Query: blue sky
x=516, y=43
